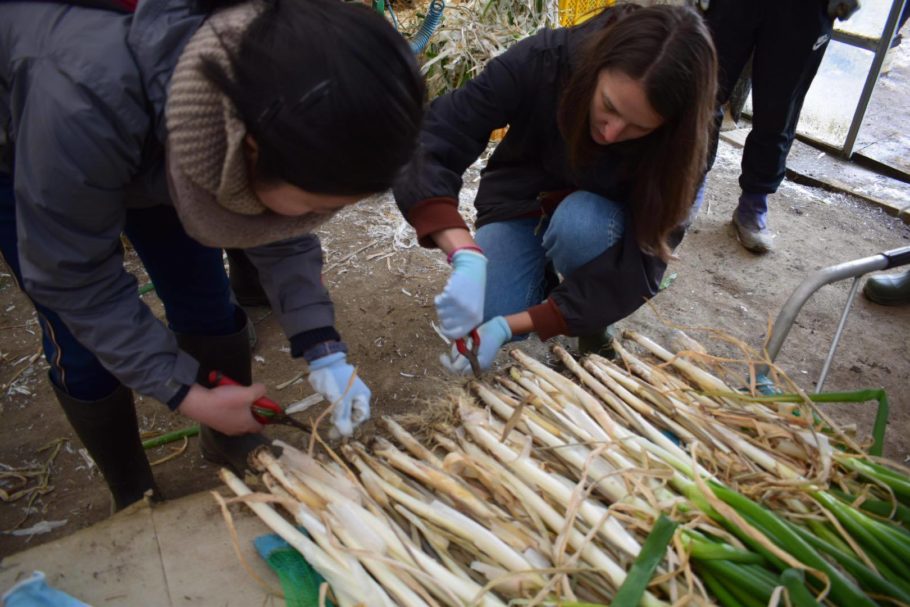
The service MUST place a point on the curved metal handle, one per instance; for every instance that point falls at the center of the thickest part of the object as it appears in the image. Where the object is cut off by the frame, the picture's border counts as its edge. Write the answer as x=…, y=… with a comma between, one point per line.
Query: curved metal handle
x=850, y=269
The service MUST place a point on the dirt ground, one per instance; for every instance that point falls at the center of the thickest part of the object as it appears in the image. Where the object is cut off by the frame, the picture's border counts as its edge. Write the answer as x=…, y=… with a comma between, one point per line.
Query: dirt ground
x=383, y=286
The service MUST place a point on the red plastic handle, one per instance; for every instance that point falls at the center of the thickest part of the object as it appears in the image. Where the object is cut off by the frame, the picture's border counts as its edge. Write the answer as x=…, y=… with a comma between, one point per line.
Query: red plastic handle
x=462, y=346
x=264, y=409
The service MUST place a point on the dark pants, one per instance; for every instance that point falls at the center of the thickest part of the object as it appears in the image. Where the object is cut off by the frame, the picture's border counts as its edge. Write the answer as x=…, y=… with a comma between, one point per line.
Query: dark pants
x=189, y=278
x=787, y=39
x=902, y=20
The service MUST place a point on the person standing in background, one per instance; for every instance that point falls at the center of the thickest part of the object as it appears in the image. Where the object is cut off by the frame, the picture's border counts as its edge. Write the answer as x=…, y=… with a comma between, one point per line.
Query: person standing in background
x=787, y=40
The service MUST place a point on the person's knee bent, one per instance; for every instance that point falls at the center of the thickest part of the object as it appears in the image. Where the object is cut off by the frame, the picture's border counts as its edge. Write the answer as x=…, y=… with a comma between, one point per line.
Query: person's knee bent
x=583, y=226
x=516, y=263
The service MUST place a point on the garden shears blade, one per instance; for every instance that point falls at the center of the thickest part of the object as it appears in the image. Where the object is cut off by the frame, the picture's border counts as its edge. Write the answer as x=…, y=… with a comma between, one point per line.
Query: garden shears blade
x=470, y=353
x=265, y=410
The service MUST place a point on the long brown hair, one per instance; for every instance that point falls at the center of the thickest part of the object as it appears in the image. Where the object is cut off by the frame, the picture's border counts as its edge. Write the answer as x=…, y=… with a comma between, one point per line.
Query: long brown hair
x=669, y=50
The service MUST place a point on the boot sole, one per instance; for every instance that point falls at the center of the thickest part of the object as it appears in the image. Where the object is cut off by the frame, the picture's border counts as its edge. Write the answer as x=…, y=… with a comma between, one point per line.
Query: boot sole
x=887, y=302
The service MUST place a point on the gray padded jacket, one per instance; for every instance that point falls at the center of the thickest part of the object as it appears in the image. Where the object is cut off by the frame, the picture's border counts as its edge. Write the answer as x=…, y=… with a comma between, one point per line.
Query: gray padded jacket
x=82, y=99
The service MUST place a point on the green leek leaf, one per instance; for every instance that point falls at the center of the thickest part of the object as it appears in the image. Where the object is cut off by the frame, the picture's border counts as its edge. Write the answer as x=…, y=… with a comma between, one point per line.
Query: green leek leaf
x=652, y=552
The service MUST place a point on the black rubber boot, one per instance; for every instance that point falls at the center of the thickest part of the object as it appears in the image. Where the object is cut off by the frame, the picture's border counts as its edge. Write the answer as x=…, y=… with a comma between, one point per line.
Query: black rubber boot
x=245, y=279
x=600, y=343
x=889, y=289
x=229, y=354
x=110, y=432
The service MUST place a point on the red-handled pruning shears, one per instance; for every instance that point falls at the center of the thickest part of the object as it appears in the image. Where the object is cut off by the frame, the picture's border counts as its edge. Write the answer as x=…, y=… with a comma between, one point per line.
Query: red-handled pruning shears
x=470, y=354
x=265, y=410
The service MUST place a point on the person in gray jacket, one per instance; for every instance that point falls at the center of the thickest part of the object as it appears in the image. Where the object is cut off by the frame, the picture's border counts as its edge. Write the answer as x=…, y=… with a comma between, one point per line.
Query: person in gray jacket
x=190, y=129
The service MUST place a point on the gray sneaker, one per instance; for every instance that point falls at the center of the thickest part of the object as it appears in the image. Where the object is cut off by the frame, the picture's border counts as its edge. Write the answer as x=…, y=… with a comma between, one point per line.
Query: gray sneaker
x=753, y=238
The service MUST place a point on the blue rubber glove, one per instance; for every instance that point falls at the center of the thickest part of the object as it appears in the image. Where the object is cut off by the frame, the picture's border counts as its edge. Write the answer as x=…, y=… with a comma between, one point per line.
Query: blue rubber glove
x=460, y=305
x=330, y=376
x=34, y=592
x=493, y=334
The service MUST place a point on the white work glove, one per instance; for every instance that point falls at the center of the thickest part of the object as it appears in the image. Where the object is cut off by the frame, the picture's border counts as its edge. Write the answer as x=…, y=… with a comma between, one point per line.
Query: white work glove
x=330, y=376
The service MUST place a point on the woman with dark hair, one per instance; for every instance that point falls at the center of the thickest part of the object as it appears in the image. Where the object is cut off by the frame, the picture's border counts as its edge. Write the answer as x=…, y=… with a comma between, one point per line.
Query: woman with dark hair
x=190, y=129
x=581, y=204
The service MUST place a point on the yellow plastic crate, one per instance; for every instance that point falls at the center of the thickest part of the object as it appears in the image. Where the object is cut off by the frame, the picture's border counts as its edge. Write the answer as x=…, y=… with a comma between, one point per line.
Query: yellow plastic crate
x=573, y=12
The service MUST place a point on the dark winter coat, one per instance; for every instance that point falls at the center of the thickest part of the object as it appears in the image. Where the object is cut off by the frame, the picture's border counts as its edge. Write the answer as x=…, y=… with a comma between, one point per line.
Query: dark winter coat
x=521, y=88
x=82, y=98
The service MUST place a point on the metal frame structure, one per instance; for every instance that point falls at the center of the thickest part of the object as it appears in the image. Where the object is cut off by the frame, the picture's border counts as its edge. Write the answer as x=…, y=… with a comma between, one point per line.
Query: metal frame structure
x=880, y=47
x=852, y=269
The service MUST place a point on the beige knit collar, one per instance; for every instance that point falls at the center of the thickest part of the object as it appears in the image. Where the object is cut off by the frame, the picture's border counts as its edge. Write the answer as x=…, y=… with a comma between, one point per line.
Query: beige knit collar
x=205, y=133
x=207, y=168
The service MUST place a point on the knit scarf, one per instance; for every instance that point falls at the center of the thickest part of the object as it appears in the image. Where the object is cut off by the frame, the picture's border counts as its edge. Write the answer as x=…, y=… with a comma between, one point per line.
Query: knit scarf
x=207, y=169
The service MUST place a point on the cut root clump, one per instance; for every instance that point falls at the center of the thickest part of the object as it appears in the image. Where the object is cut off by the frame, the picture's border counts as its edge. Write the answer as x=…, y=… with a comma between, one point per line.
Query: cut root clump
x=432, y=413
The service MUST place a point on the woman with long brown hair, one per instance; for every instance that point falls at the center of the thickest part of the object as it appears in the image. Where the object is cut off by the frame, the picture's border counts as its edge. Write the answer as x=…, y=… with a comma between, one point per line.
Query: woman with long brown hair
x=581, y=204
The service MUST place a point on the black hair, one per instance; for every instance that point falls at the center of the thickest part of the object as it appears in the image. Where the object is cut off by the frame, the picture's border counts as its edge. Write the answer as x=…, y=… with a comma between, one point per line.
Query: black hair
x=330, y=92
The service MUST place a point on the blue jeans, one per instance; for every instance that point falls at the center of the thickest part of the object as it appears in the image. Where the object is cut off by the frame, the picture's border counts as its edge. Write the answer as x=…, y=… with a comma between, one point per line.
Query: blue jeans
x=521, y=252
x=189, y=278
